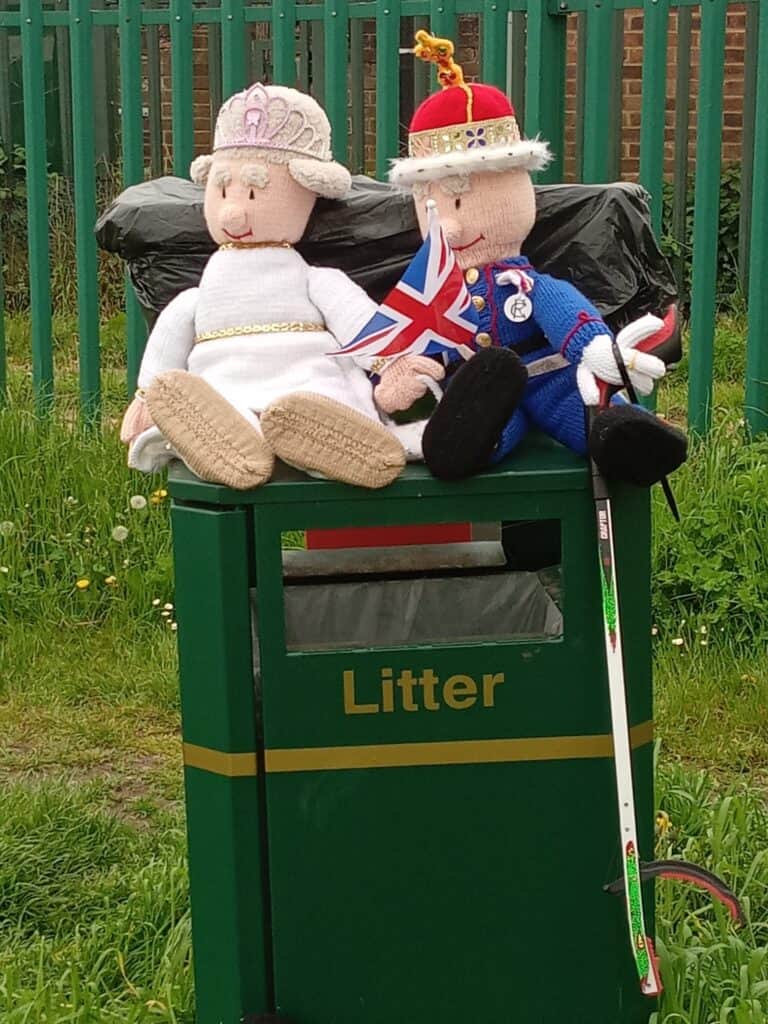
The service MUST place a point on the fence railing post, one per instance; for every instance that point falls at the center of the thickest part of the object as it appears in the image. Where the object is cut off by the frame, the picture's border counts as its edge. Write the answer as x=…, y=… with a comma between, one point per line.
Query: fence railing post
x=706, y=214
x=132, y=133
x=232, y=47
x=756, y=398
x=83, y=158
x=336, y=20
x=654, y=95
x=181, y=86
x=493, y=37
x=599, y=100
x=545, y=82
x=33, y=79
x=284, y=41
x=387, y=84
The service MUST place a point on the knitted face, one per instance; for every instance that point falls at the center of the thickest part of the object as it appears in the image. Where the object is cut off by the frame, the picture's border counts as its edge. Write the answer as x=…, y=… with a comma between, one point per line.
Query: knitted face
x=485, y=216
x=249, y=200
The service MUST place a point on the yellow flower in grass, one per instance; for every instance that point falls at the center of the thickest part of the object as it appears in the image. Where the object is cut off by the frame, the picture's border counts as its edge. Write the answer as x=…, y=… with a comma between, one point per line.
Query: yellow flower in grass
x=159, y=496
x=83, y=584
x=110, y=580
x=663, y=823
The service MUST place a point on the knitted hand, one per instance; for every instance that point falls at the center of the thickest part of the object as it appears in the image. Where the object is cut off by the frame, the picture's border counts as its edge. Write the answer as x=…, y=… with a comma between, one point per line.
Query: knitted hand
x=598, y=364
x=136, y=420
x=402, y=382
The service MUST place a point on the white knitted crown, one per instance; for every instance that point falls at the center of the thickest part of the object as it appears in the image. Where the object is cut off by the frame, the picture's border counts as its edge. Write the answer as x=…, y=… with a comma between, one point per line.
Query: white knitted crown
x=274, y=117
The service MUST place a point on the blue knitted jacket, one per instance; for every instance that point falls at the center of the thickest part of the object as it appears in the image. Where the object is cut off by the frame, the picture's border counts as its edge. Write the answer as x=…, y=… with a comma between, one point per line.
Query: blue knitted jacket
x=562, y=319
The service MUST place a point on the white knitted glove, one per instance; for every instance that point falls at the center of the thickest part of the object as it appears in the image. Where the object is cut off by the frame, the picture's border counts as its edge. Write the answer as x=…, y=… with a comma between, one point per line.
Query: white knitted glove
x=597, y=362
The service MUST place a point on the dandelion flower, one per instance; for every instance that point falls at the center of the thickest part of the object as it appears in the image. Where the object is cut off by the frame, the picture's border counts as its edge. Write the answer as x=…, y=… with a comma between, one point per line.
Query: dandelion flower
x=156, y=602
x=654, y=630
x=663, y=822
x=70, y=500
x=126, y=563
x=678, y=641
x=165, y=615
x=138, y=501
x=703, y=629
x=120, y=533
x=4, y=568
x=7, y=528
x=83, y=584
x=110, y=580
x=703, y=642
x=174, y=626
x=168, y=607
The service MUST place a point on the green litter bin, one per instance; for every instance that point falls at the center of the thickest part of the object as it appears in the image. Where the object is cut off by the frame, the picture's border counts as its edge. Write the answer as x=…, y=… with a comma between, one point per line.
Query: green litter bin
x=414, y=829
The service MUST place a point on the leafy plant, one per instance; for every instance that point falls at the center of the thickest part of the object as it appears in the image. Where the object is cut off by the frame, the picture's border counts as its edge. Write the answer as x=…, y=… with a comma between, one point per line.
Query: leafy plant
x=680, y=250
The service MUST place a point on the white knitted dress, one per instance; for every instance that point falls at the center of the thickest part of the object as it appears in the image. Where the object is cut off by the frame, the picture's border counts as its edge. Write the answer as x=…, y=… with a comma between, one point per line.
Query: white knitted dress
x=242, y=287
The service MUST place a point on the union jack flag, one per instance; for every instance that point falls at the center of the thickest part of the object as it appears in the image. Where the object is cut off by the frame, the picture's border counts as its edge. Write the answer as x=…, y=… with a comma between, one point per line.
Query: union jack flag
x=429, y=310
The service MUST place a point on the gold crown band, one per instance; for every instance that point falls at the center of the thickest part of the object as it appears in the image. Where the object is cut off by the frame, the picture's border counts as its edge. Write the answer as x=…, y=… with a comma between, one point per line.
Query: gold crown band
x=477, y=135
x=290, y=327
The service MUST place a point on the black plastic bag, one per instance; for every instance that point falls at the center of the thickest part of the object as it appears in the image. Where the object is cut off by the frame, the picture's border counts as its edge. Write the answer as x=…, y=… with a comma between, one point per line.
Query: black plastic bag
x=597, y=236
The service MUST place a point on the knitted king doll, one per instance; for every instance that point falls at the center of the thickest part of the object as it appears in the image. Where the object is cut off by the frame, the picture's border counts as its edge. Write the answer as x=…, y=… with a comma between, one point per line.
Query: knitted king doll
x=236, y=371
x=544, y=350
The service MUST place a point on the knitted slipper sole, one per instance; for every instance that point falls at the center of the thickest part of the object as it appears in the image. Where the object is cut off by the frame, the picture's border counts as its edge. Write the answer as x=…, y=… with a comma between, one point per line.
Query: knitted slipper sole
x=212, y=438
x=313, y=432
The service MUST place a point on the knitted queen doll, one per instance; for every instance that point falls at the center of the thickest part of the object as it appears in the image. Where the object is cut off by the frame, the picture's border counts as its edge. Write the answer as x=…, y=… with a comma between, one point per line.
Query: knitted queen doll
x=545, y=351
x=236, y=371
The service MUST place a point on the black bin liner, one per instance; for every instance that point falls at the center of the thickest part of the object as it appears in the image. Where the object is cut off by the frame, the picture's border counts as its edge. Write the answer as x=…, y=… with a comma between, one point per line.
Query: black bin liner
x=597, y=236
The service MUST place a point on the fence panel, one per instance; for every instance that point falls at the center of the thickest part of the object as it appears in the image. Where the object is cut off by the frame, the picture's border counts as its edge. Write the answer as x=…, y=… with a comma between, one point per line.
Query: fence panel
x=756, y=399
x=347, y=52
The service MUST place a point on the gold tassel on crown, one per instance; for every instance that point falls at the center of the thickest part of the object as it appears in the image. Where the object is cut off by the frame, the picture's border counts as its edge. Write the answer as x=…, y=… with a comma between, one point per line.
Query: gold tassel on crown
x=440, y=51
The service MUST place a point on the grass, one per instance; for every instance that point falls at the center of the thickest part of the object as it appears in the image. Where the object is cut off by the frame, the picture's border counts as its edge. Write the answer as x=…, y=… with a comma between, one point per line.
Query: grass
x=94, y=923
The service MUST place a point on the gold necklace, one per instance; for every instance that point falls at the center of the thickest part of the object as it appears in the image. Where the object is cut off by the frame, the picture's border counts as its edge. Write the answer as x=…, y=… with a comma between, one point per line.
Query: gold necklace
x=256, y=245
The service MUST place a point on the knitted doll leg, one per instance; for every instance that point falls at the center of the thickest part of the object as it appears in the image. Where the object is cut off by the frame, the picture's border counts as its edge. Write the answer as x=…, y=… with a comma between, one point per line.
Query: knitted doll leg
x=511, y=436
x=464, y=429
x=209, y=434
x=319, y=434
x=555, y=406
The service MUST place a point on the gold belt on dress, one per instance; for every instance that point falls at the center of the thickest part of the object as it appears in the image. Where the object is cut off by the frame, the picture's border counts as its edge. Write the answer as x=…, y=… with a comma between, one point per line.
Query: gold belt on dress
x=288, y=327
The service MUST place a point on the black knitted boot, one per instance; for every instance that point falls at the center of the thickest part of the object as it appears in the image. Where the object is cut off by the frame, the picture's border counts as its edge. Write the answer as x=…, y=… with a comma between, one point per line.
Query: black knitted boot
x=634, y=446
x=465, y=427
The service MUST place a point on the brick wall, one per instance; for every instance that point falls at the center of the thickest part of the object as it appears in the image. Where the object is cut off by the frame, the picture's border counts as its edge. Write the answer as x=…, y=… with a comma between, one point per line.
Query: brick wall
x=467, y=47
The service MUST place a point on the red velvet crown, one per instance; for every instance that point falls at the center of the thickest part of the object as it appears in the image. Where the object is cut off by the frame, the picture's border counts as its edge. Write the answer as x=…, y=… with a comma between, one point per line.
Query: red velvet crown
x=449, y=107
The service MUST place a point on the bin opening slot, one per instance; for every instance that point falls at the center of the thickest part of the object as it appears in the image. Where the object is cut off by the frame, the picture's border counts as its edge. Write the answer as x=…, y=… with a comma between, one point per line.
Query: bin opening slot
x=503, y=583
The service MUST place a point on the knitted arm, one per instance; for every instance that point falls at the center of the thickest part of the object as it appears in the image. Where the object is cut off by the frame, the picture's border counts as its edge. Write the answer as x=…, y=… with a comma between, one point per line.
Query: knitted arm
x=568, y=319
x=171, y=339
x=346, y=309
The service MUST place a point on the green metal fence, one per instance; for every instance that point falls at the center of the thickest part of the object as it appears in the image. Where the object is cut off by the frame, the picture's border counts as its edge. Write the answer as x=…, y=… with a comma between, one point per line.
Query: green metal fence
x=329, y=48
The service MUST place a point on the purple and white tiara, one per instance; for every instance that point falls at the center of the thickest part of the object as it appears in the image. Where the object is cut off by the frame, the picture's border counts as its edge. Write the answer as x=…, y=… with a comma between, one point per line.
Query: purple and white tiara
x=274, y=117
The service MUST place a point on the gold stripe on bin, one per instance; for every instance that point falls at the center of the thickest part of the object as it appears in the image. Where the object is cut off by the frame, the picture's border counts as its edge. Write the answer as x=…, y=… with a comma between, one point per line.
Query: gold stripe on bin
x=219, y=763
x=287, y=327
x=412, y=755
x=409, y=755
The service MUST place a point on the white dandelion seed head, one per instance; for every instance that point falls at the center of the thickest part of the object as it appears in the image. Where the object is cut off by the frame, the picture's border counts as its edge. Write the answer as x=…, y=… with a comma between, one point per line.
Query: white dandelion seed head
x=120, y=533
x=7, y=528
x=678, y=641
x=138, y=502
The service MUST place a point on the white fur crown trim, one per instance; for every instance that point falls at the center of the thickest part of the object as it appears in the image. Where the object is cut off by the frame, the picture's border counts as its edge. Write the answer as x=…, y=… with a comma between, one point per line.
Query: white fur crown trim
x=530, y=154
